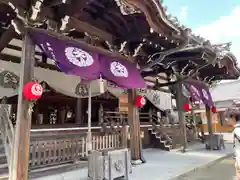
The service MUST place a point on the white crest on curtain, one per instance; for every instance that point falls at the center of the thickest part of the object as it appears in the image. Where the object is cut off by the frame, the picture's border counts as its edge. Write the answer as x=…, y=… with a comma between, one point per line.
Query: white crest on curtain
x=118, y=69
x=78, y=57
x=195, y=90
x=205, y=94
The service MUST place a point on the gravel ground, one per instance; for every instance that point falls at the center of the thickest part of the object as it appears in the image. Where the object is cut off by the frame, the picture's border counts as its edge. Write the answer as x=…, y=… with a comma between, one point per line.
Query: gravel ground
x=223, y=170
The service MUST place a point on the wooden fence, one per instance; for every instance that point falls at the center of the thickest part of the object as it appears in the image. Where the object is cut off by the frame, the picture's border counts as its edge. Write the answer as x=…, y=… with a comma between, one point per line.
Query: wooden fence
x=49, y=151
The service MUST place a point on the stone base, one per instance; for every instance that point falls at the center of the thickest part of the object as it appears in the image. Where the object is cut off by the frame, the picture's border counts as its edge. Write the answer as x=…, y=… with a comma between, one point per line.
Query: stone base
x=136, y=162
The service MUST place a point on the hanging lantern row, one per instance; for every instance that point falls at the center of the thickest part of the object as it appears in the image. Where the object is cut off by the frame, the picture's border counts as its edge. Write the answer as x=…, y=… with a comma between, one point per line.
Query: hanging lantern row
x=140, y=101
x=187, y=107
x=32, y=91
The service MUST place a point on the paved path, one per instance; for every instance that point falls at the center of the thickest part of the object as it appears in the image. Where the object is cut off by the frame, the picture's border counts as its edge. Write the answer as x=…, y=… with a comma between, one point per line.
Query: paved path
x=160, y=165
x=223, y=170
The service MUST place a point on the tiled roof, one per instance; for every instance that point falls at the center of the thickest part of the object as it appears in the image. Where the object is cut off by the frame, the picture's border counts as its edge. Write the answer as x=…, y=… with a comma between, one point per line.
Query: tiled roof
x=220, y=49
x=226, y=91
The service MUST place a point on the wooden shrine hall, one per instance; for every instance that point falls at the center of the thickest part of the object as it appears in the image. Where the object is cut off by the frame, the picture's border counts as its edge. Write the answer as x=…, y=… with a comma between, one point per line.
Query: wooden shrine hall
x=51, y=42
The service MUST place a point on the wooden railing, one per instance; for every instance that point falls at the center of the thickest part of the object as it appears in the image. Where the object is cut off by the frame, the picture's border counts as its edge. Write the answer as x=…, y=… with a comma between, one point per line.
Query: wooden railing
x=55, y=150
x=48, y=150
x=115, y=116
x=119, y=117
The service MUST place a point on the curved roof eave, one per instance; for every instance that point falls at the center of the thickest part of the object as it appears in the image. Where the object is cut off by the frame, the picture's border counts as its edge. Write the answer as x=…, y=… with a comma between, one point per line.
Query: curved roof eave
x=170, y=21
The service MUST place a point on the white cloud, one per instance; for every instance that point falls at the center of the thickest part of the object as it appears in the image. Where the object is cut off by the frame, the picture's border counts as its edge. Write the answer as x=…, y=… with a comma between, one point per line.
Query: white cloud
x=183, y=14
x=225, y=29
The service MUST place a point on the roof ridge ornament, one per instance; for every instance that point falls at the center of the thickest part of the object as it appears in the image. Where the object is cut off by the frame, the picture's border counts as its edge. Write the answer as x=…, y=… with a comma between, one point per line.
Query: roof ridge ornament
x=222, y=49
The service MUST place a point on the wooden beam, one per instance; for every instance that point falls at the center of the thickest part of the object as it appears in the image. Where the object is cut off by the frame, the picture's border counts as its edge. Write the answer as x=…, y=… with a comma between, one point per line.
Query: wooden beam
x=85, y=27
x=17, y=48
x=180, y=59
x=86, y=46
x=21, y=3
x=23, y=124
x=7, y=36
x=55, y=3
x=15, y=59
x=81, y=26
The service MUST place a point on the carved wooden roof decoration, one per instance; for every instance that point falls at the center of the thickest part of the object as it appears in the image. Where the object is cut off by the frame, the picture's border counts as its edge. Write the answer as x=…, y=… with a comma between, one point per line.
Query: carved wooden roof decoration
x=139, y=31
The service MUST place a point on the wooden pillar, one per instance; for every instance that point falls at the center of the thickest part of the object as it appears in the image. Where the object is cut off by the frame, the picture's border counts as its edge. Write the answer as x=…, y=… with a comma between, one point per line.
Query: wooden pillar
x=209, y=119
x=134, y=123
x=35, y=114
x=100, y=115
x=79, y=112
x=194, y=121
x=150, y=112
x=23, y=124
x=209, y=124
x=181, y=116
x=124, y=135
x=62, y=115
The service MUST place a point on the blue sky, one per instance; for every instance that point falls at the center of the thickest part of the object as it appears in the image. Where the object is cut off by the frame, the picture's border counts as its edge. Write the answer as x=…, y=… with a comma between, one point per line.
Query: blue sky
x=216, y=20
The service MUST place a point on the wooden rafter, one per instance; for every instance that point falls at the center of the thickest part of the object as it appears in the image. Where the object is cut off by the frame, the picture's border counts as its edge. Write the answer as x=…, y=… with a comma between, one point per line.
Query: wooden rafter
x=6, y=37
x=85, y=27
x=55, y=3
x=154, y=16
x=81, y=26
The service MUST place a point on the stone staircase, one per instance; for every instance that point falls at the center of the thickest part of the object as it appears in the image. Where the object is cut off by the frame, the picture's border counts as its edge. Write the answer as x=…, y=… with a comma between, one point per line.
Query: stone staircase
x=167, y=137
x=6, y=138
x=160, y=139
x=3, y=160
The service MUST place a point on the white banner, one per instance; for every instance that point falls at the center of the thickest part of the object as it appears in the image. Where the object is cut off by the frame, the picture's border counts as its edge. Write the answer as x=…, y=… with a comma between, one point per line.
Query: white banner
x=65, y=84
x=159, y=99
x=72, y=86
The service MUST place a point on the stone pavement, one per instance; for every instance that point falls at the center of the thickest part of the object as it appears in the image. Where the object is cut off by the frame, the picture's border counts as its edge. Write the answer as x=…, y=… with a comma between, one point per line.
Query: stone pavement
x=221, y=170
x=160, y=165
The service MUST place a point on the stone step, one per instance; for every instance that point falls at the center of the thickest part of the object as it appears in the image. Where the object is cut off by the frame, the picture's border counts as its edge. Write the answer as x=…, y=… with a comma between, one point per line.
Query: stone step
x=3, y=170
x=168, y=147
x=3, y=161
x=4, y=166
x=3, y=158
x=163, y=142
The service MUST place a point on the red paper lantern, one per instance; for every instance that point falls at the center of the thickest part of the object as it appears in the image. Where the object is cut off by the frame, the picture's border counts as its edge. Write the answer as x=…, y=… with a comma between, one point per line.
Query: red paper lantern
x=32, y=90
x=214, y=109
x=140, y=101
x=187, y=107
